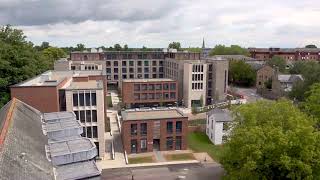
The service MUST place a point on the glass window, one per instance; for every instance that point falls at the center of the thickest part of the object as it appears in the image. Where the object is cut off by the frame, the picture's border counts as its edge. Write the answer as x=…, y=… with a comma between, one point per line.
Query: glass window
x=143, y=129
x=136, y=96
x=144, y=87
x=151, y=87
x=124, y=70
x=115, y=70
x=84, y=134
x=143, y=145
x=131, y=70
x=154, y=63
x=165, y=86
x=131, y=63
x=82, y=117
x=178, y=142
x=169, y=143
x=139, y=70
x=89, y=132
x=172, y=95
x=108, y=63
x=137, y=87
x=179, y=126
x=133, y=146
x=144, y=56
x=108, y=70
x=158, y=87
x=160, y=69
x=134, y=129
x=87, y=99
x=139, y=63
x=77, y=114
x=115, y=77
x=166, y=95
x=81, y=99
x=115, y=63
x=124, y=63
x=94, y=115
x=154, y=75
x=88, y=116
x=75, y=99
x=146, y=69
x=172, y=86
x=93, y=99
x=95, y=131
x=146, y=76
x=169, y=127
x=146, y=63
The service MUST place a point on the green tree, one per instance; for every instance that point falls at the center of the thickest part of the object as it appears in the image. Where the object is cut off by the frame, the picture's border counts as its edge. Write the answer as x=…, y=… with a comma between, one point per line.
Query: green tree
x=279, y=62
x=232, y=50
x=311, y=46
x=312, y=102
x=193, y=49
x=80, y=47
x=117, y=47
x=125, y=47
x=241, y=73
x=272, y=140
x=175, y=45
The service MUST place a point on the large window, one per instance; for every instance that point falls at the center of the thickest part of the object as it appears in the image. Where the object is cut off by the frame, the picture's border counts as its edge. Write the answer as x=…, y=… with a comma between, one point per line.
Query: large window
x=143, y=129
x=82, y=117
x=169, y=127
x=146, y=63
x=179, y=126
x=94, y=115
x=169, y=143
x=87, y=99
x=75, y=99
x=143, y=145
x=88, y=116
x=77, y=114
x=178, y=142
x=94, y=131
x=81, y=99
x=133, y=129
x=172, y=86
x=133, y=146
x=93, y=99
x=89, y=132
x=166, y=86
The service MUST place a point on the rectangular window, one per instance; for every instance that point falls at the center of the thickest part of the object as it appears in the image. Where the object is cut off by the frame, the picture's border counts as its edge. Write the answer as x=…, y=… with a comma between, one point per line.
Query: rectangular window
x=94, y=115
x=133, y=146
x=124, y=63
x=93, y=99
x=165, y=86
x=172, y=86
x=87, y=99
x=169, y=143
x=108, y=70
x=82, y=117
x=139, y=70
x=178, y=126
x=124, y=70
x=137, y=87
x=115, y=77
x=95, y=131
x=154, y=63
x=84, y=134
x=158, y=87
x=178, y=142
x=115, y=70
x=108, y=63
x=115, y=63
x=131, y=70
x=131, y=63
x=88, y=116
x=75, y=99
x=146, y=69
x=139, y=63
x=134, y=129
x=81, y=99
x=150, y=87
x=77, y=114
x=169, y=127
x=146, y=63
x=89, y=132
x=143, y=145
x=172, y=95
x=143, y=129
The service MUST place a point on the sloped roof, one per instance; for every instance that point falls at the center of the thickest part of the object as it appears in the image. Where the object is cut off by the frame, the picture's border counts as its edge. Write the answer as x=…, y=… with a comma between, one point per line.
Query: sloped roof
x=289, y=78
x=220, y=115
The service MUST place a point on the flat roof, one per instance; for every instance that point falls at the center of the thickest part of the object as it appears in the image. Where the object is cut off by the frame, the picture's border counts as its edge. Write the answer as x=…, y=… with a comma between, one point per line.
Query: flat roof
x=148, y=80
x=78, y=170
x=58, y=115
x=151, y=114
x=60, y=125
x=70, y=146
x=91, y=84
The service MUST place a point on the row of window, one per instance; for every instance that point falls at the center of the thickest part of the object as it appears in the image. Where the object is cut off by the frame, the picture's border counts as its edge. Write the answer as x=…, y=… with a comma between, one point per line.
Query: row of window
x=197, y=86
x=90, y=132
x=197, y=68
x=86, y=115
x=145, y=87
x=143, y=144
x=131, y=63
x=151, y=96
x=132, y=70
x=131, y=56
x=84, y=99
x=144, y=128
x=197, y=77
x=131, y=76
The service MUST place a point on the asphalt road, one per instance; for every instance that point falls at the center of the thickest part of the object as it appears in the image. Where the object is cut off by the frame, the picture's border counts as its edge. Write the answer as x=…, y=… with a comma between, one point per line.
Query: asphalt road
x=194, y=171
x=249, y=93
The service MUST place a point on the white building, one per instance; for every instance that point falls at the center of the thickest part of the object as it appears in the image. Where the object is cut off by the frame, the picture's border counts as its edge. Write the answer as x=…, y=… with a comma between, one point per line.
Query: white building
x=217, y=126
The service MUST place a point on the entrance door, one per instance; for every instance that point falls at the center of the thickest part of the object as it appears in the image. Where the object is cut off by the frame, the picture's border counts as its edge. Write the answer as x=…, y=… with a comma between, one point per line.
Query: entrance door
x=156, y=144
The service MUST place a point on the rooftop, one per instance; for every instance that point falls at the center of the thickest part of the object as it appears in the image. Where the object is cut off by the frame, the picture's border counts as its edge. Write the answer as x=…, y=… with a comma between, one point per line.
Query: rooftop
x=220, y=115
x=152, y=114
x=70, y=147
x=91, y=84
x=148, y=80
x=71, y=171
x=58, y=116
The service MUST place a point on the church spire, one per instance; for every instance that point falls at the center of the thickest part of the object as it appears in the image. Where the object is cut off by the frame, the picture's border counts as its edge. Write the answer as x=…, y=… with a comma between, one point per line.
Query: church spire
x=203, y=44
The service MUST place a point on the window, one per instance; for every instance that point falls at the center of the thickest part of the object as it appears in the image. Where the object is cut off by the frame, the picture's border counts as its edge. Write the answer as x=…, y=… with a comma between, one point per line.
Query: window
x=158, y=95
x=115, y=63
x=93, y=99
x=115, y=77
x=154, y=63
x=143, y=145
x=131, y=63
x=160, y=69
x=161, y=63
x=146, y=76
x=166, y=95
x=124, y=70
x=88, y=116
x=131, y=70
x=144, y=87
x=137, y=87
x=154, y=75
x=169, y=127
x=89, y=132
x=143, y=129
x=154, y=69
x=172, y=95
x=169, y=143
x=108, y=70
x=87, y=99
x=139, y=70
x=84, y=134
x=81, y=99
x=139, y=63
x=158, y=87
x=179, y=126
x=75, y=99
x=115, y=70
x=133, y=129
x=165, y=86
x=133, y=146
x=136, y=96
x=108, y=63
x=77, y=114
x=124, y=63
x=139, y=56
x=151, y=96
x=131, y=76
x=151, y=87
x=82, y=117
x=94, y=115
x=178, y=142
x=172, y=86
x=94, y=131
x=146, y=69
x=146, y=63
x=73, y=67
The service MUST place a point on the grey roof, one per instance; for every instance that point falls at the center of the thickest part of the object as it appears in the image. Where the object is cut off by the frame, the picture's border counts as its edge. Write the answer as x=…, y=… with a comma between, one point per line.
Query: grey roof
x=151, y=114
x=77, y=170
x=148, y=80
x=289, y=78
x=54, y=116
x=220, y=115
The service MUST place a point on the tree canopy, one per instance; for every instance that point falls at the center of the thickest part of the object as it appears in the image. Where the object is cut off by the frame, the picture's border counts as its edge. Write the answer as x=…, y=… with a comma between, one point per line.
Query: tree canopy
x=232, y=50
x=278, y=62
x=311, y=105
x=272, y=140
x=175, y=45
x=311, y=46
x=241, y=73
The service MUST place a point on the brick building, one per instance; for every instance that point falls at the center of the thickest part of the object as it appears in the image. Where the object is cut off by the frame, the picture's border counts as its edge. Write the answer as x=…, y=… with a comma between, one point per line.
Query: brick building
x=145, y=131
x=289, y=54
x=149, y=92
x=263, y=76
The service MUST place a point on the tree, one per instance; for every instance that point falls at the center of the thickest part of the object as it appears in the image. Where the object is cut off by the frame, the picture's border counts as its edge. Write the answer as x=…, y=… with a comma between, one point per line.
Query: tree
x=125, y=47
x=80, y=47
x=271, y=140
x=311, y=46
x=193, y=49
x=232, y=50
x=117, y=47
x=175, y=45
x=312, y=102
x=241, y=73
x=279, y=62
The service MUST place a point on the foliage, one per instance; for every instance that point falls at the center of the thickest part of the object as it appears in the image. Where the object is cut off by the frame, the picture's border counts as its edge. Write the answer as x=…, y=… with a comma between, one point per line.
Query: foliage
x=279, y=62
x=109, y=101
x=232, y=50
x=179, y=157
x=193, y=49
x=175, y=45
x=311, y=46
x=80, y=47
x=241, y=73
x=312, y=102
x=197, y=122
x=139, y=160
x=272, y=140
x=268, y=84
x=117, y=47
x=199, y=142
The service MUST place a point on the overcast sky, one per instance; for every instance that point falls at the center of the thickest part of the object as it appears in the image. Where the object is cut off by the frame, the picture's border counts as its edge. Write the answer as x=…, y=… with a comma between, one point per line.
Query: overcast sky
x=250, y=23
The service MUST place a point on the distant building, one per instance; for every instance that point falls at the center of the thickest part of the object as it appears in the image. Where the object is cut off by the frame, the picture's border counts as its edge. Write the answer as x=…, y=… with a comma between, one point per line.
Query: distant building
x=148, y=130
x=218, y=125
x=282, y=84
x=149, y=92
x=205, y=52
x=263, y=76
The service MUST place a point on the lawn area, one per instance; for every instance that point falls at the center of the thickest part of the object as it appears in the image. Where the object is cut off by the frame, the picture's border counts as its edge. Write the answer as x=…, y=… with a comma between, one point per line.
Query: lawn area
x=179, y=157
x=197, y=122
x=199, y=142
x=138, y=160
x=109, y=101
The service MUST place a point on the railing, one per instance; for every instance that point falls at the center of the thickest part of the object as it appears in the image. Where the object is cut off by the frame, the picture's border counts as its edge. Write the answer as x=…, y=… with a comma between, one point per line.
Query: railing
x=126, y=157
x=112, y=151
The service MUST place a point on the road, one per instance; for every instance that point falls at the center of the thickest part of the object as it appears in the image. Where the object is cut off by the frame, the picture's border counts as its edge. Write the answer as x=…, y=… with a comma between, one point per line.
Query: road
x=194, y=171
x=249, y=93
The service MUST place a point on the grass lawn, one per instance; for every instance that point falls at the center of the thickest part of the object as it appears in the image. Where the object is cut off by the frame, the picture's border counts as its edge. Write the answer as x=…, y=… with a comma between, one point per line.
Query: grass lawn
x=179, y=157
x=196, y=122
x=138, y=160
x=109, y=101
x=199, y=142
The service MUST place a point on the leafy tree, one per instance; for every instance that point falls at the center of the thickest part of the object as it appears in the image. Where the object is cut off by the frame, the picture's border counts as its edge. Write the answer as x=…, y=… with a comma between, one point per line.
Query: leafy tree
x=312, y=102
x=311, y=46
x=144, y=48
x=125, y=47
x=117, y=47
x=193, y=49
x=80, y=47
x=271, y=140
x=268, y=84
x=241, y=73
x=278, y=62
x=175, y=45
x=232, y=50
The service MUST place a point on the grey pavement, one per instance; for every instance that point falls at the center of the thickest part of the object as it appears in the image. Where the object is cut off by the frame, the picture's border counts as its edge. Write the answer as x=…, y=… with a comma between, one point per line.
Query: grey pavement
x=249, y=93
x=159, y=156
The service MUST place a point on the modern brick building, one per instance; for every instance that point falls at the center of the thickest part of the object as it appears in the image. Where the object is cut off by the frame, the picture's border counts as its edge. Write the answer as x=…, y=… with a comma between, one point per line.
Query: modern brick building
x=81, y=92
x=149, y=92
x=289, y=54
x=162, y=129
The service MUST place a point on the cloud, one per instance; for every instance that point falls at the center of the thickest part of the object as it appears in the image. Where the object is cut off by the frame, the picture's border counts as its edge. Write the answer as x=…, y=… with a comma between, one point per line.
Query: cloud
x=151, y=23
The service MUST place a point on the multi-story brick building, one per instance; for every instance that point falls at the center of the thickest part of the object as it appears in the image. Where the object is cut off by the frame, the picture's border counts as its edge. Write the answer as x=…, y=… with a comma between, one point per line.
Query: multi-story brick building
x=145, y=131
x=81, y=92
x=149, y=92
x=289, y=54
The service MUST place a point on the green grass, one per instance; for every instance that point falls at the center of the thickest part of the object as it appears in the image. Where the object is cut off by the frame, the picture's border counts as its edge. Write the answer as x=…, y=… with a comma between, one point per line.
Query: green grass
x=138, y=160
x=109, y=101
x=197, y=122
x=179, y=157
x=199, y=142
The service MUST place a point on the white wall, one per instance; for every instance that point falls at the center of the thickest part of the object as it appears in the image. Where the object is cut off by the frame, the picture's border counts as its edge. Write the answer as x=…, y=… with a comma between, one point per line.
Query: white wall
x=214, y=130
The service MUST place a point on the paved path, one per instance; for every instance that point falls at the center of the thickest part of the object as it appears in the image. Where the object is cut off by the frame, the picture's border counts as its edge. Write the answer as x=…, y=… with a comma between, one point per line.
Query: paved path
x=159, y=156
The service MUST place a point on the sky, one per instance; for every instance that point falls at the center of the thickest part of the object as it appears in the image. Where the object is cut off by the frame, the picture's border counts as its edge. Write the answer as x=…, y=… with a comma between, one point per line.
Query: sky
x=249, y=23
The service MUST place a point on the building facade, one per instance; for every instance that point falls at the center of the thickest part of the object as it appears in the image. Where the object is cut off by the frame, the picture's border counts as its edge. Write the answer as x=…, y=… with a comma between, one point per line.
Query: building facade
x=263, y=76
x=149, y=92
x=145, y=131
